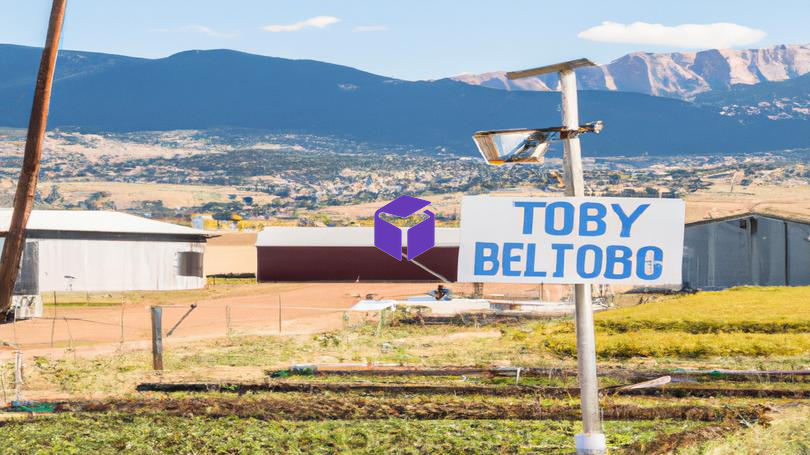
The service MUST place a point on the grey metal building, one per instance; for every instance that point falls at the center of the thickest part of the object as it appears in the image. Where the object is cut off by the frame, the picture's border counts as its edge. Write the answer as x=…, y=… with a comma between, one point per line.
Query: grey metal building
x=86, y=250
x=749, y=249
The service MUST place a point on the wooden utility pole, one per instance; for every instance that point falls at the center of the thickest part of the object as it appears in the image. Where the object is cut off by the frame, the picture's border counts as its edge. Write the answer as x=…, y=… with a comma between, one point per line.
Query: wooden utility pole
x=27, y=183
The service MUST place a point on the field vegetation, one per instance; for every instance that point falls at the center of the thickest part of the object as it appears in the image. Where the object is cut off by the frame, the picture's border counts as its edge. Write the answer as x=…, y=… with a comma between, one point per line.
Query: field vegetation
x=629, y=337
x=744, y=328
x=787, y=434
x=769, y=323
x=155, y=433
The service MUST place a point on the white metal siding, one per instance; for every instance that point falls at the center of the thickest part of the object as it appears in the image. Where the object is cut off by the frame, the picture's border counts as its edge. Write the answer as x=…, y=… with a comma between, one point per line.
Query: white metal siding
x=114, y=265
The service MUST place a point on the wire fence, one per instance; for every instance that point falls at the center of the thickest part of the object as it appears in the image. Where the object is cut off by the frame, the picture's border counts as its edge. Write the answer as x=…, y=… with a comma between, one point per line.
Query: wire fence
x=78, y=324
x=77, y=328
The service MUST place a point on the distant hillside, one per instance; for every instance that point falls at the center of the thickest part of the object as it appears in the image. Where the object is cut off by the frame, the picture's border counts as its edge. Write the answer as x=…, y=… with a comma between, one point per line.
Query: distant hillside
x=676, y=75
x=788, y=99
x=16, y=63
x=222, y=88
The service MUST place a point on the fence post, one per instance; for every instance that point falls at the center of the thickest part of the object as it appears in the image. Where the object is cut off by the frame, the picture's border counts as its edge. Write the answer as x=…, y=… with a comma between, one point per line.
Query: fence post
x=279, y=314
x=53, y=319
x=227, y=320
x=18, y=375
x=70, y=337
x=157, y=338
x=14, y=328
x=3, y=383
x=381, y=323
x=123, y=306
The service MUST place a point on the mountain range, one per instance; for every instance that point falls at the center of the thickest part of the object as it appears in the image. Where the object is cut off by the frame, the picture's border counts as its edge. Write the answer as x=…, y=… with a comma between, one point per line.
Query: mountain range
x=788, y=99
x=223, y=89
x=681, y=75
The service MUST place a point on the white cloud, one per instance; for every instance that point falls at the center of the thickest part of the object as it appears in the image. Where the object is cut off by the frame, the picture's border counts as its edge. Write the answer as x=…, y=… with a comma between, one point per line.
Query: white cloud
x=316, y=22
x=206, y=31
x=701, y=36
x=195, y=29
x=370, y=28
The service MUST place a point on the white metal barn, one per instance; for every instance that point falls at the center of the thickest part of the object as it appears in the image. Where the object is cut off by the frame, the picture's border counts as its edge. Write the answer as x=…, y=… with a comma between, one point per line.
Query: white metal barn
x=106, y=251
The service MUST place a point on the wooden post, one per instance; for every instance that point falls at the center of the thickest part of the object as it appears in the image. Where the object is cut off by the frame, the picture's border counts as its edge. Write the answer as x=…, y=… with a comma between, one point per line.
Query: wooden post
x=27, y=183
x=227, y=320
x=53, y=325
x=70, y=337
x=279, y=314
x=18, y=375
x=3, y=383
x=157, y=338
x=123, y=306
x=53, y=321
x=380, y=323
x=14, y=329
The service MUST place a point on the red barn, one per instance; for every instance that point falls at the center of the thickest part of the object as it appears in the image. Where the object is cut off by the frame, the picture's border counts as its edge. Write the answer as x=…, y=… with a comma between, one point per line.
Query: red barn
x=348, y=254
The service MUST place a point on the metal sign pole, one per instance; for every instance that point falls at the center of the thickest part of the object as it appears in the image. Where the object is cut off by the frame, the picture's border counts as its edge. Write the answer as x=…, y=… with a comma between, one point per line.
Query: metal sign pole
x=592, y=440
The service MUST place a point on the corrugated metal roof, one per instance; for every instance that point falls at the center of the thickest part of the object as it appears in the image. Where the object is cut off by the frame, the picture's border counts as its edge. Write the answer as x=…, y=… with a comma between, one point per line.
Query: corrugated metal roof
x=96, y=221
x=339, y=236
x=747, y=214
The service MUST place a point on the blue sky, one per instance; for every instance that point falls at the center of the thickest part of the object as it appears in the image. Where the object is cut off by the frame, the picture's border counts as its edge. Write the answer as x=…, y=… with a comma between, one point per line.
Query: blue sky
x=414, y=39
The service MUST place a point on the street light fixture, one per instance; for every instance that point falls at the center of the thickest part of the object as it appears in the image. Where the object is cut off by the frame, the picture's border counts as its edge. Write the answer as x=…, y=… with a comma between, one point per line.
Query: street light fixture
x=528, y=146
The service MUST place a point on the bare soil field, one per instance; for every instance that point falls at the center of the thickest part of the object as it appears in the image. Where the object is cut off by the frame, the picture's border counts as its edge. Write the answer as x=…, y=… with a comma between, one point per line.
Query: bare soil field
x=716, y=202
x=128, y=195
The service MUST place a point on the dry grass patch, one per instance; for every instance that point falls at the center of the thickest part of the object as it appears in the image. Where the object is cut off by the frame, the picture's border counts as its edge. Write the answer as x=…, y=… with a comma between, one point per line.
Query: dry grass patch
x=787, y=433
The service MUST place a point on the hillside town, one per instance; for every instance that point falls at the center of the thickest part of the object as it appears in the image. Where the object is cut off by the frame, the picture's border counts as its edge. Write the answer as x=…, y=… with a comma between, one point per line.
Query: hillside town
x=288, y=176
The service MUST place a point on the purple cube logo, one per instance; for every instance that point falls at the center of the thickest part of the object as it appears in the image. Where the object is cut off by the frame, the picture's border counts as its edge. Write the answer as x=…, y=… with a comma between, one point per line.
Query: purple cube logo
x=388, y=237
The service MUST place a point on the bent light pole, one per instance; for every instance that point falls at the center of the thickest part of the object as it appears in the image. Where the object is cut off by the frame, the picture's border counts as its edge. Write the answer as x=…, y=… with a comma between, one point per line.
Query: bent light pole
x=592, y=439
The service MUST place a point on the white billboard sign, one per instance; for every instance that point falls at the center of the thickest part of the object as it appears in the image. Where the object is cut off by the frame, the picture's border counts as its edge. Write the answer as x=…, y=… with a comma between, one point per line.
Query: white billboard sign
x=571, y=240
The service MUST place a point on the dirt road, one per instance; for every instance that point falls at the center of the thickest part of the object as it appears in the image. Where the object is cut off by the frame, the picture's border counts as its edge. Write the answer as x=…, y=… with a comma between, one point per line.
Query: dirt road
x=253, y=309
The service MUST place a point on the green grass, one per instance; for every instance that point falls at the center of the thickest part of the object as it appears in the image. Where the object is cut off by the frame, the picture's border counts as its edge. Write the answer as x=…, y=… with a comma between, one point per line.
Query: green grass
x=147, y=434
x=742, y=309
x=683, y=345
x=752, y=322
